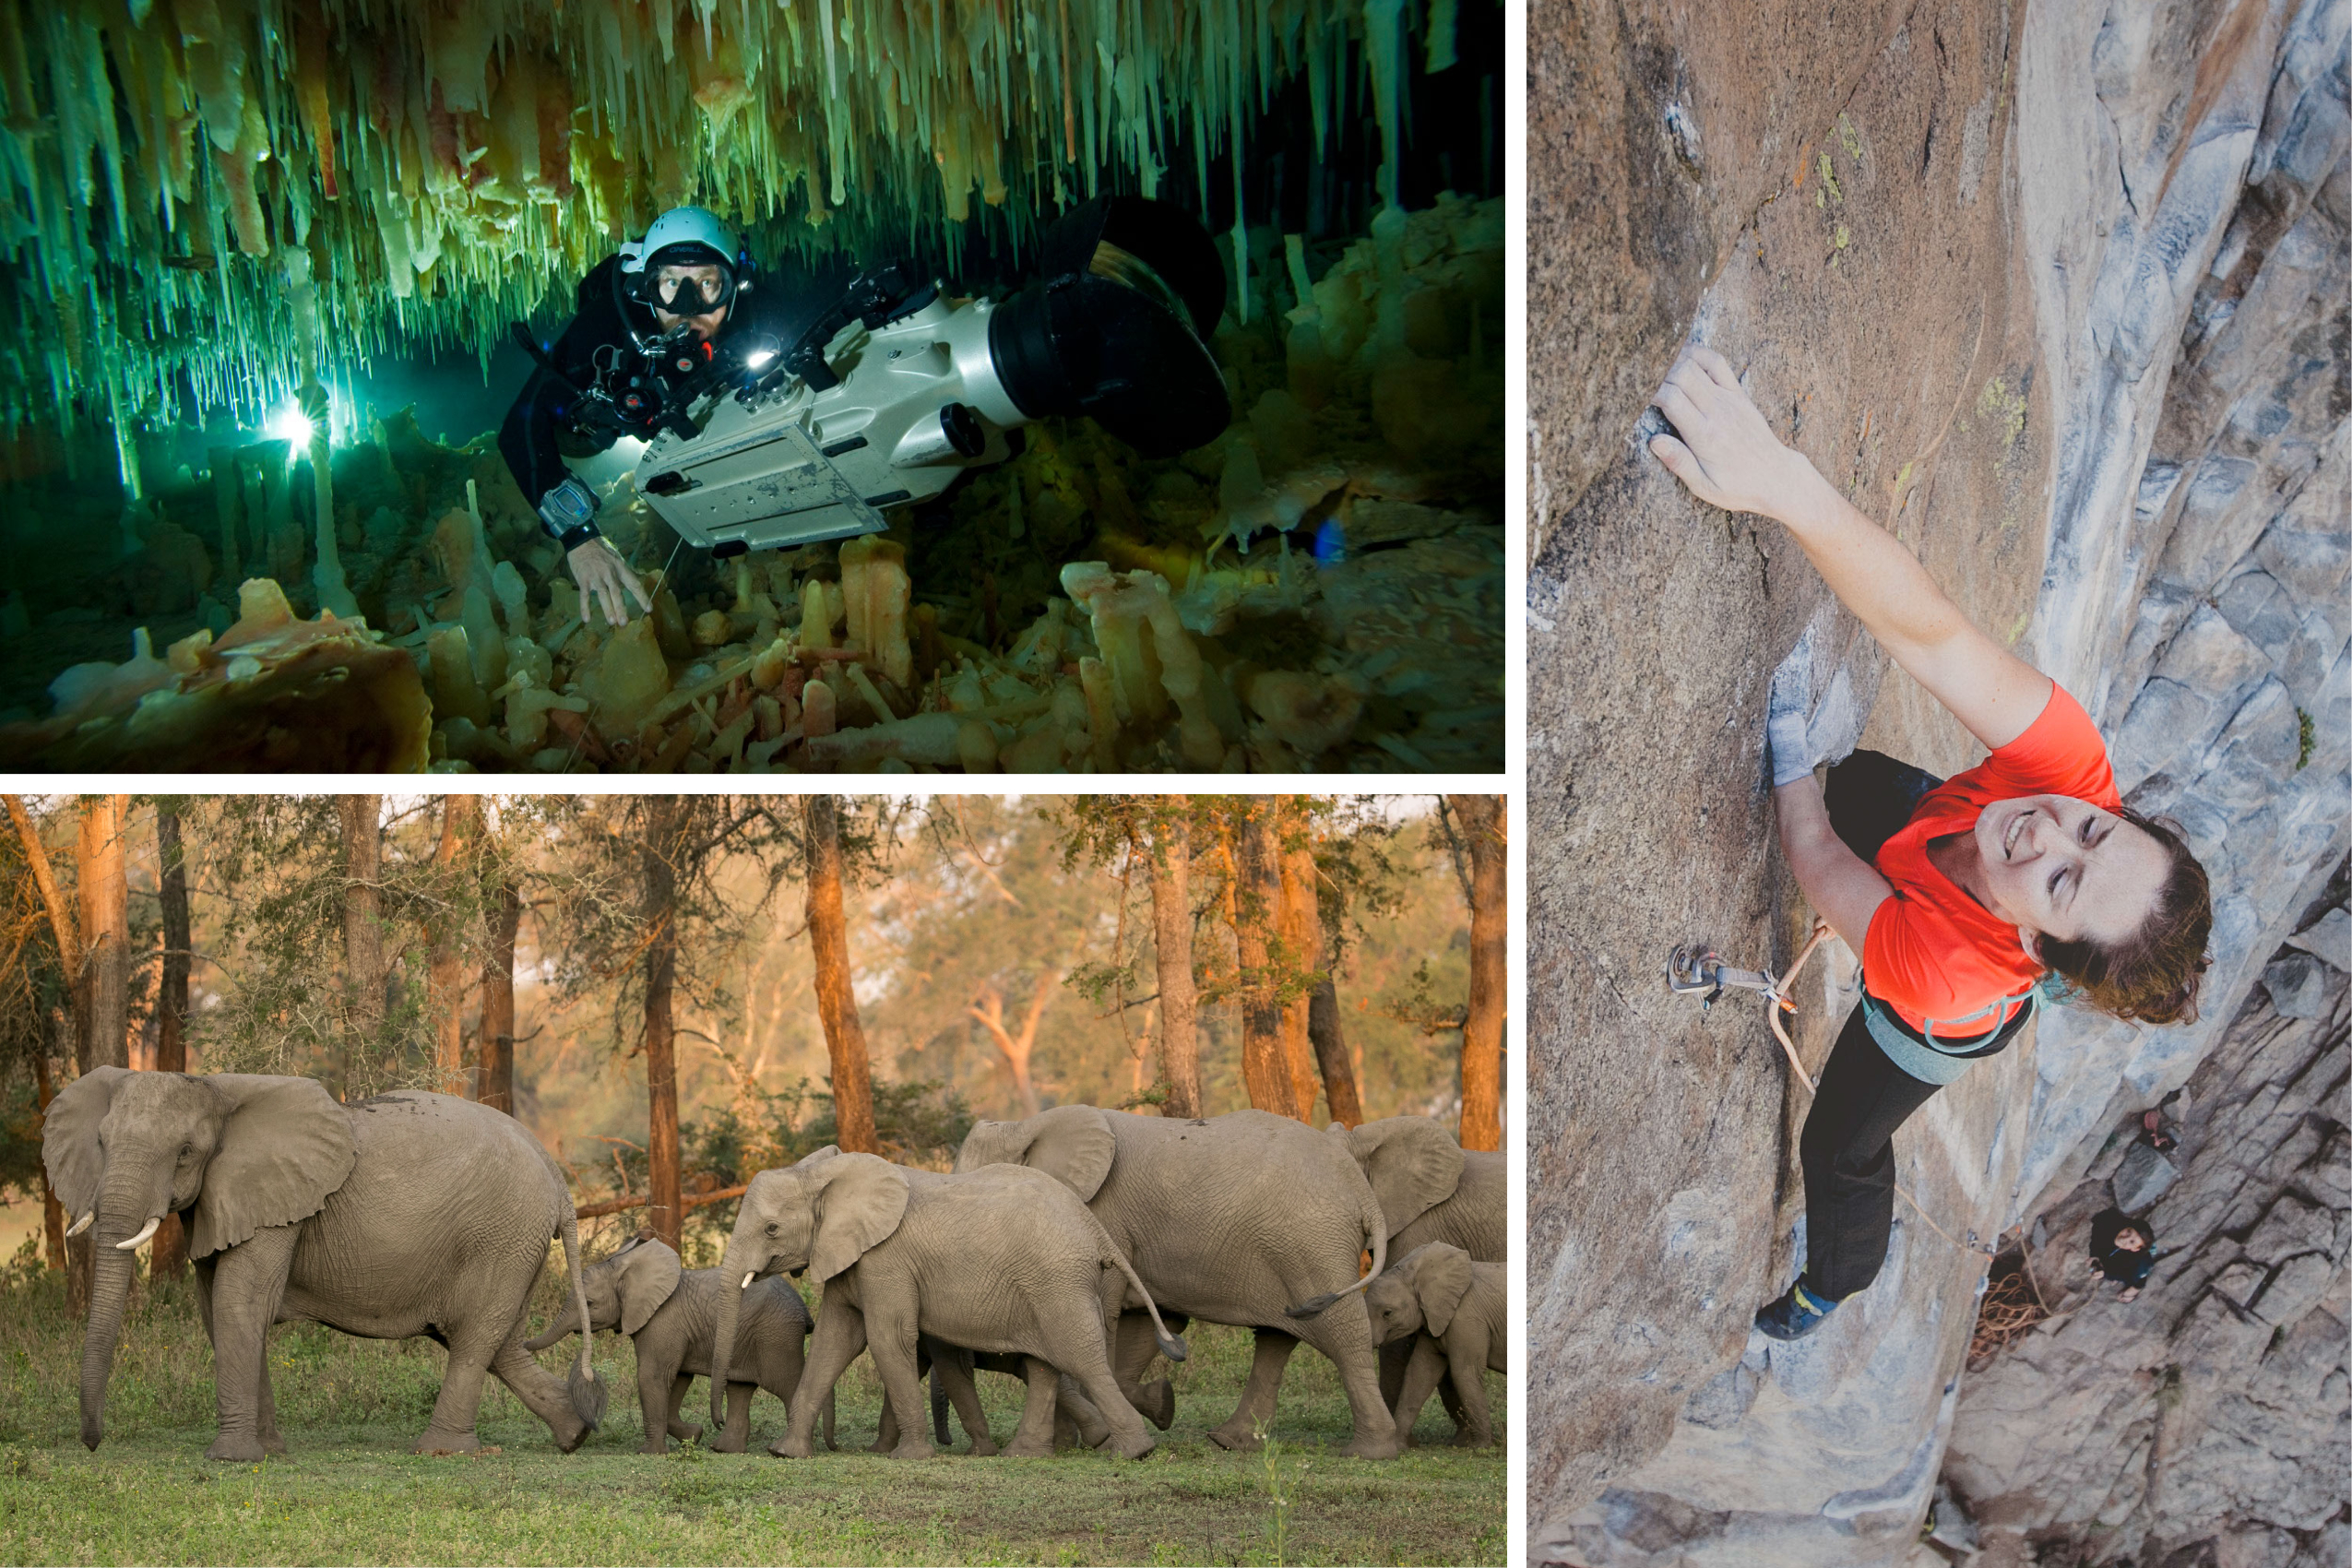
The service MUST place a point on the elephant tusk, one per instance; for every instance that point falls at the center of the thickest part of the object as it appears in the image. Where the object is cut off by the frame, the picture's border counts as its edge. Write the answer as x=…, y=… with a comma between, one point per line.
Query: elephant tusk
x=144, y=1232
x=747, y=1280
x=83, y=1223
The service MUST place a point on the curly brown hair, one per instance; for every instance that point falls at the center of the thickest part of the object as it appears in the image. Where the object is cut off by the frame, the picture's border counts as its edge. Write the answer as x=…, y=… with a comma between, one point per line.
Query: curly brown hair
x=2152, y=976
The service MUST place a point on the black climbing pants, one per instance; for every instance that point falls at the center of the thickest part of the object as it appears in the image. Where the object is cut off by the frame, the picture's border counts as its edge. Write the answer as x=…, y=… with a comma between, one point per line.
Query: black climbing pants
x=1847, y=1147
x=1847, y=1152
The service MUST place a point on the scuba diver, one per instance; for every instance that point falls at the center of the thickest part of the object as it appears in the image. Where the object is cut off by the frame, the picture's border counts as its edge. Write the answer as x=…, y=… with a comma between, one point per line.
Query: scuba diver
x=686, y=285
x=1113, y=328
x=1961, y=896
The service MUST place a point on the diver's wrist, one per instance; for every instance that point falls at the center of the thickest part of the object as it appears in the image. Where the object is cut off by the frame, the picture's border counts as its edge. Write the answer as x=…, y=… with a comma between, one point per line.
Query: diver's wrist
x=571, y=538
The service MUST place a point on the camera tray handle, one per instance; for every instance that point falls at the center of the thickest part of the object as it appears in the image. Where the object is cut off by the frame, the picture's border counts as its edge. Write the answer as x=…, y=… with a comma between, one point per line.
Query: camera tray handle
x=873, y=299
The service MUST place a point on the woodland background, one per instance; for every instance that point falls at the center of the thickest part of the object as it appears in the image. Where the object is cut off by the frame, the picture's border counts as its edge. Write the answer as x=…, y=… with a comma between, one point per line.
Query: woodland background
x=671, y=989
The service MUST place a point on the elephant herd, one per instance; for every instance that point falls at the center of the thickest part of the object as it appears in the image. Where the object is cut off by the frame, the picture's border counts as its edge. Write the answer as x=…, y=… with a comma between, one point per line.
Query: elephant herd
x=1068, y=1249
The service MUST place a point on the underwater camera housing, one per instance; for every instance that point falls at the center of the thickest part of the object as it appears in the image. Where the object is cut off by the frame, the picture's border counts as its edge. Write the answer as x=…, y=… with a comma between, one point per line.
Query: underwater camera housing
x=895, y=392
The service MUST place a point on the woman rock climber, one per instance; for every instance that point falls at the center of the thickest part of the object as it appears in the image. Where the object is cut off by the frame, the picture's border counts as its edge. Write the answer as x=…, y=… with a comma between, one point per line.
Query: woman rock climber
x=1961, y=895
x=689, y=271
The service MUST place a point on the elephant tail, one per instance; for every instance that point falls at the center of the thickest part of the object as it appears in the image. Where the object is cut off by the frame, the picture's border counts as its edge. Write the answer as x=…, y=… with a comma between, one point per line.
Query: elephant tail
x=1375, y=1230
x=1171, y=1345
x=587, y=1390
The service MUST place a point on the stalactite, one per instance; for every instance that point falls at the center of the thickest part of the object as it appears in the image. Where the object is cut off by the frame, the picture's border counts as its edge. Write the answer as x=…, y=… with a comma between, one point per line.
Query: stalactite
x=455, y=167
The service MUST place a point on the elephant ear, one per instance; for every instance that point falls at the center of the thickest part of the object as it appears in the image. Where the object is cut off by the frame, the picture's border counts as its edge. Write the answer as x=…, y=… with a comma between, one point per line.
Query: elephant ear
x=1073, y=1145
x=285, y=1148
x=818, y=1157
x=650, y=1275
x=69, y=1150
x=1413, y=1165
x=1441, y=1278
x=860, y=1199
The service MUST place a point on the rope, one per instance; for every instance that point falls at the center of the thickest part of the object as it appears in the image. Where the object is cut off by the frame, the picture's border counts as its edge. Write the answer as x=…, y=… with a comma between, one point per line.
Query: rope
x=1777, y=1000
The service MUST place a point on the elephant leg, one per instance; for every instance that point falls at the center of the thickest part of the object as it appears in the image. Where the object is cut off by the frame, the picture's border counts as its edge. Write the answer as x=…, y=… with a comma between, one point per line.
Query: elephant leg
x=1086, y=1418
x=1271, y=1354
x=840, y=1335
x=886, y=1431
x=953, y=1373
x=1466, y=1369
x=248, y=1283
x=1392, y=1357
x=674, y=1421
x=1089, y=1369
x=890, y=1335
x=267, y=1423
x=1033, y=1439
x=1424, y=1373
x=657, y=1393
x=542, y=1394
x=1344, y=1334
x=738, y=1429
x=1136, y=1346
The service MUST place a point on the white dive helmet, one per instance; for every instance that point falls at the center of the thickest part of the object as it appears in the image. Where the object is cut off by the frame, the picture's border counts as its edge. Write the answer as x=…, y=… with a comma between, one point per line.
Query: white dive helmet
x=690, y=236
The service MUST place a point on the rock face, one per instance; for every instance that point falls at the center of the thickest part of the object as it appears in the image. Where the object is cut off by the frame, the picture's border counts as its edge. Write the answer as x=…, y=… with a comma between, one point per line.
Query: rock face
x=2058, y=293
x=2214, y=1407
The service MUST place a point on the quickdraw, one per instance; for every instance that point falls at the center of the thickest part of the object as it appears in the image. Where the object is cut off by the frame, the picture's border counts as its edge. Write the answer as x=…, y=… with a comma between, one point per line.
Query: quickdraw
x=1690, y=970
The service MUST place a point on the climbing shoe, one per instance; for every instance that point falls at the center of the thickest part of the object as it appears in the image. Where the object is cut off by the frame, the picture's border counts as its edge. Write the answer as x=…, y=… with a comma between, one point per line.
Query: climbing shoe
x=1796, y=1313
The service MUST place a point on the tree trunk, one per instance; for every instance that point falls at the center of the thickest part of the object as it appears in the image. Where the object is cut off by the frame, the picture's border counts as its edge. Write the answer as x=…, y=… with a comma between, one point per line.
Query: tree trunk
x=1333, y=1057
x=170, y=1251
x=837, y=1004
x=361, y=818
x=1257, y=874
x=497, y=1087
x=666, y=815
x=53, y=1213
x=1169, y=859
x=446, y=981
x=990, y=1010
x=104, y=892
x=1485, y=828
x=1300, y=928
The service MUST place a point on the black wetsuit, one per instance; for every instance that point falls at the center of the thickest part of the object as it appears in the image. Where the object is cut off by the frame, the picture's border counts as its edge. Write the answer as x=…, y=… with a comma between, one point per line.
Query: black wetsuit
x=2125, y=1266
x=1846, y=1150
x=535, y=435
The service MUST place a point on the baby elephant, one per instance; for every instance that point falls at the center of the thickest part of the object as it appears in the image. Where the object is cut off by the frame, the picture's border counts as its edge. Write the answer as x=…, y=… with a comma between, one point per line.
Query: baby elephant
x=1452, y=1310
x=645, y=1293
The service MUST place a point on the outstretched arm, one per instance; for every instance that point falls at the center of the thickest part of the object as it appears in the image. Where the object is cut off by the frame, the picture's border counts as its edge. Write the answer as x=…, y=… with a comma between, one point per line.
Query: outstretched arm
x=1728, y=457
x=1844, y=889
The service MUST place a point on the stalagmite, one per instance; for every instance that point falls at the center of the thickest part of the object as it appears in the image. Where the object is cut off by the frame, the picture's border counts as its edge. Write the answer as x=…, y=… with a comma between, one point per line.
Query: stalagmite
x=874, y=592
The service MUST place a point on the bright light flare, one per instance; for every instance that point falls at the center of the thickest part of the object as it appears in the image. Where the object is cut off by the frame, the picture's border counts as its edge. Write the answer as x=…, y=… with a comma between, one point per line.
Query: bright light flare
x=289, y=423
x=758, y=357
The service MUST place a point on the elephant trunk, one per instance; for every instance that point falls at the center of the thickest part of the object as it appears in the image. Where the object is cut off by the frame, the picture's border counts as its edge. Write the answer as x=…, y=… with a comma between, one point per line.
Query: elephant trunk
x=722, y=1350
x=122, y=1210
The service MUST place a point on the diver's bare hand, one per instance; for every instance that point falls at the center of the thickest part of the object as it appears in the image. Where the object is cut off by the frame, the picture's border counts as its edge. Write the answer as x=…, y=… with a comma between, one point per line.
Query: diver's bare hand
x=1721, y=447
x=604, y=578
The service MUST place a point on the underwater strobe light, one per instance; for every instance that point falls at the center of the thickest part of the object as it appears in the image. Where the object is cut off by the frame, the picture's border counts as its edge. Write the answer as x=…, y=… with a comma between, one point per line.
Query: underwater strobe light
x=895, y=392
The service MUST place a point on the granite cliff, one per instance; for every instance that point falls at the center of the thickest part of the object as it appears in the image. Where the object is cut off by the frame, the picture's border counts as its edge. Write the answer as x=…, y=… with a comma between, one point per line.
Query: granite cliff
x=2058, y=292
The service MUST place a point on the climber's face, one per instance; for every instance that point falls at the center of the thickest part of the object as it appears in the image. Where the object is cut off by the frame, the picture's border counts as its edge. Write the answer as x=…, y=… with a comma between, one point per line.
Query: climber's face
x=2063, y=868
x=694, y=292
x=2131, y=1241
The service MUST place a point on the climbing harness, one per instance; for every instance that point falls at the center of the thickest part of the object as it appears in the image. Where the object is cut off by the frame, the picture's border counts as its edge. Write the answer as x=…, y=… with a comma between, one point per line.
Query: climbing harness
x=1690, y=970
x=1702, y=972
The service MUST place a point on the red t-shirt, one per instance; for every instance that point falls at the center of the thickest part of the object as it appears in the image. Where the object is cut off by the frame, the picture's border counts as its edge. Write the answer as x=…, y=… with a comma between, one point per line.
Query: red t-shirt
x=1934, y=953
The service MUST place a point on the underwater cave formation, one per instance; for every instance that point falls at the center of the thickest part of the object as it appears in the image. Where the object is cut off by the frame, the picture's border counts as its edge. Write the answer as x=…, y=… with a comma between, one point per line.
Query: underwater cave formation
x=237, y=229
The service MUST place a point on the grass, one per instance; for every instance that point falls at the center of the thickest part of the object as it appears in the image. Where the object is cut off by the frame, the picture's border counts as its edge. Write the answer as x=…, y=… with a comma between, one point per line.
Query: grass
x=348, y=1489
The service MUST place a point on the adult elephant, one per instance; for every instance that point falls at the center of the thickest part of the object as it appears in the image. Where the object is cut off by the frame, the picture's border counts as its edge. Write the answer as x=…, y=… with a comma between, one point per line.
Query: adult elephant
x=999, y=1260
x=409, y=1214
x=1431, y=1189
x=1236, y=1220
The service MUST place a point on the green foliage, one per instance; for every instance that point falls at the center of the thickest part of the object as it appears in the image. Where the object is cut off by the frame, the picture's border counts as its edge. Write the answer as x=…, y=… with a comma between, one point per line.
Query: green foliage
x=2306, y=737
